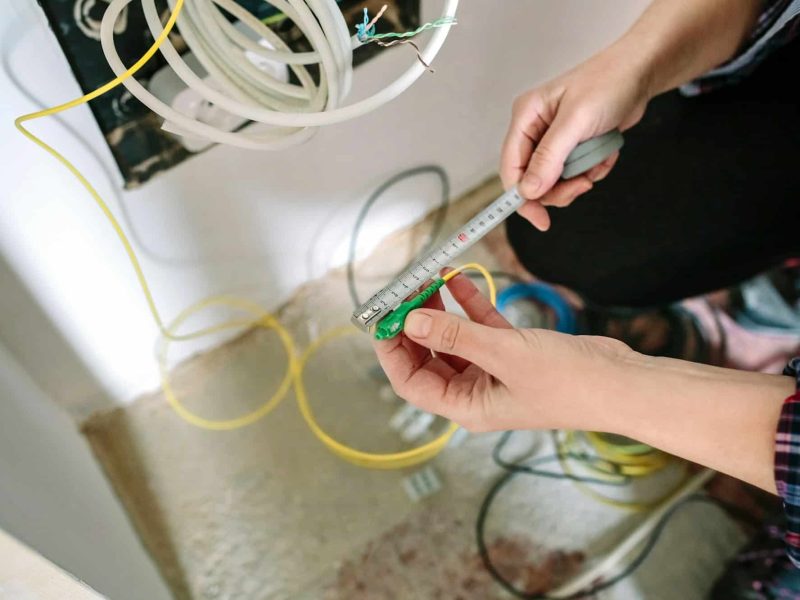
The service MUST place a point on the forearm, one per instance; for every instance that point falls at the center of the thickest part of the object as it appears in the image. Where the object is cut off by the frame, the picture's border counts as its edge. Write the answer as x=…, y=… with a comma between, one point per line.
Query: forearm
x=720, y=418
x=675, y=41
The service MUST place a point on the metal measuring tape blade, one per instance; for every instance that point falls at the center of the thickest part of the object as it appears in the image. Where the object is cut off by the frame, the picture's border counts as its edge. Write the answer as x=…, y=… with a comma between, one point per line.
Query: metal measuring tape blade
x=585, y=156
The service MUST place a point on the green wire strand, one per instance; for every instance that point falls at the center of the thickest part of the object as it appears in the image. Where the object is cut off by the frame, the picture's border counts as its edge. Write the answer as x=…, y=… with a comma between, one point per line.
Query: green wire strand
x=440, y=22
x=274, y=19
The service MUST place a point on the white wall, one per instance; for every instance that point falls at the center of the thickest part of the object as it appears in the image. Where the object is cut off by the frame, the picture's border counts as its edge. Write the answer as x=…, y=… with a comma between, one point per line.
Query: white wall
x=259, y=223
x=54, y=497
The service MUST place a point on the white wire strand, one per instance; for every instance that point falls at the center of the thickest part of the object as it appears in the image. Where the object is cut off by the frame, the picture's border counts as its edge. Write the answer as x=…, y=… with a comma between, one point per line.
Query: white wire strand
x=287, y=114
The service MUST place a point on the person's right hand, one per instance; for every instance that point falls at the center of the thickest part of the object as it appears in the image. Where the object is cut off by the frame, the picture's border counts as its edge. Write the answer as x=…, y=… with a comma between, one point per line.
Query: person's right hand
x=608, y=91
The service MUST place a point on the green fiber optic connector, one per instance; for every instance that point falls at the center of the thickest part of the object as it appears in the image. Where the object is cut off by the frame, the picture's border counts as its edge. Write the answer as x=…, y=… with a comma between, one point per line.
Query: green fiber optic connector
x=392, y=324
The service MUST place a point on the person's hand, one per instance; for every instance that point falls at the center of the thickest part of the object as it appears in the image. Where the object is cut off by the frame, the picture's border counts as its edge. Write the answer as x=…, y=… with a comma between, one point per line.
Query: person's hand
x=485, y=375
x=606, y=92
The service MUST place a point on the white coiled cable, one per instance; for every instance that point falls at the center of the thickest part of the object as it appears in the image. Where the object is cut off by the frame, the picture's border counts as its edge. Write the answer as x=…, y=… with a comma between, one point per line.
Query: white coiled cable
x=288, y=113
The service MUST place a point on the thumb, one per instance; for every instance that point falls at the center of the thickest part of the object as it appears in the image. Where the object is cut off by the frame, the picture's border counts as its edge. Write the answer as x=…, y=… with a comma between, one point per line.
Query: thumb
x=547, y=162
x=448, y=333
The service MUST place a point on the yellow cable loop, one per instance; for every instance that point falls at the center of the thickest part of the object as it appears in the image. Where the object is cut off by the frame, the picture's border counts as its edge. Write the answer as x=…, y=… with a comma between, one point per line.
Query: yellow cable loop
x=85, y=182
x=260, y=317
x=480, y=269
x=635, y=460
x=395, y=460
x=167, y=332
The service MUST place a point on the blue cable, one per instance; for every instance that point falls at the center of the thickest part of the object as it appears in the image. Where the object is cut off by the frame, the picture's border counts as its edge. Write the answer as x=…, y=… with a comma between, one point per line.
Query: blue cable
x=566, y=319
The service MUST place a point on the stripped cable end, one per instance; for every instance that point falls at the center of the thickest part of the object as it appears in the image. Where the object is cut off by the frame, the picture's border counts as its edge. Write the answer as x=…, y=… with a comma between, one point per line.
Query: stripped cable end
x=366, y=29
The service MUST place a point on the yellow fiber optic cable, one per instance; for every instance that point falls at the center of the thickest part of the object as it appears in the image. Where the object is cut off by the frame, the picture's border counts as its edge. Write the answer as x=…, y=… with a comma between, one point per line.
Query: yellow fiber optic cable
x=480, y=269
x=621, y=460
x=395, y=460
x=259, y=317
x=18, y=123
x=167, y=333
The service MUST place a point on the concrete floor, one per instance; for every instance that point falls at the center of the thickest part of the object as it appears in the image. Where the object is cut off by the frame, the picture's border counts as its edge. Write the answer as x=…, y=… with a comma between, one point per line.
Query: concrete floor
x=266, y=512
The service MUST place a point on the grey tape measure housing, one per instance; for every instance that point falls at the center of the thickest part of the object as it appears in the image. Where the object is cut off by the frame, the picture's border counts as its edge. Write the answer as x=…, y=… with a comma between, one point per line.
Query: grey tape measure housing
x=591, y=153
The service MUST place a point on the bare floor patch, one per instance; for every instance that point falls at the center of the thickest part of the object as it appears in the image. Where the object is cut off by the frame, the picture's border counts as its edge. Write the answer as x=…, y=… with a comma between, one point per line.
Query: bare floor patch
x=432, y=555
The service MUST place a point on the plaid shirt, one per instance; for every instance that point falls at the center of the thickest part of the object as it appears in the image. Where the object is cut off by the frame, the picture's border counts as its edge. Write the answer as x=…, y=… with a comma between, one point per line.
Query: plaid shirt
x=778, y=24
x=787, y=463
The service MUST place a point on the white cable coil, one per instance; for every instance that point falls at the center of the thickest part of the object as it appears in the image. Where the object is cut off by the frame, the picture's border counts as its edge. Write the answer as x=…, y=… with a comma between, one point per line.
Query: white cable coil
x=288, y=113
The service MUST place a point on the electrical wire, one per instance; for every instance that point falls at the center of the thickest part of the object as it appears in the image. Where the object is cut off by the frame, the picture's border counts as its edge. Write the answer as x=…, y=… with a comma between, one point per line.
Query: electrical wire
x=537, y=291
x=487, y=276
x=635, y=537
x=19, y=124
x=395, y=460
x=409, y=43
x=585, y=584
x=612, y=463
x=371, y=35
x=616, y=459
x=531, y=467
x=290, y=111
x=166, y=331
x=436, y=227
x=633, y=458
x=274, y=19
x=109, y=175
x=258, y=316
x=497, y=275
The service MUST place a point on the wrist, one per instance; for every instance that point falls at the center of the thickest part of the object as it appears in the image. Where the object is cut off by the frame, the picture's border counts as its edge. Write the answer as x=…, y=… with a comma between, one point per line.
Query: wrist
x=675, y=42
x=721, y=418
x=618, y=392
x=639, y=57
x=654, y=384
x=609, y=388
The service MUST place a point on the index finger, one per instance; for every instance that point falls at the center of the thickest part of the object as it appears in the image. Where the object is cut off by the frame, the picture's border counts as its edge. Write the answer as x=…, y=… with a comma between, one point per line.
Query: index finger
x=523, y=134
x=477, y=306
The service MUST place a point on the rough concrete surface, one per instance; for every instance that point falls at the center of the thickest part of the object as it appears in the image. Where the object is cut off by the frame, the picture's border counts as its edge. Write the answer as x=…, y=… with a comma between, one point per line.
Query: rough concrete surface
x=266, y=512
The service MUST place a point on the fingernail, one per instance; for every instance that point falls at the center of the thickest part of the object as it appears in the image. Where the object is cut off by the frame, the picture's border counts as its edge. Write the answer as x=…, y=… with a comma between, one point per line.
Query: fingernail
x=418, y=325
x=533, y=182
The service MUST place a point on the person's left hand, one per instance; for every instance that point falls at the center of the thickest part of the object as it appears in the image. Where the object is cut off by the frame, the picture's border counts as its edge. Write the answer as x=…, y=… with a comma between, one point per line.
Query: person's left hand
x=485, y=375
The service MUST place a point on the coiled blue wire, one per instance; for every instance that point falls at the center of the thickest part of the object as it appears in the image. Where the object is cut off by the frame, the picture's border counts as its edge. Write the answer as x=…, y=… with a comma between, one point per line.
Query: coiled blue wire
x=566, y=319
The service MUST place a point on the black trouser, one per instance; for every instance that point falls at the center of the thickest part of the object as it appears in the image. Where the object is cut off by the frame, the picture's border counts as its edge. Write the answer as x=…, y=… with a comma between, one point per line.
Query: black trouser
x=706, y=194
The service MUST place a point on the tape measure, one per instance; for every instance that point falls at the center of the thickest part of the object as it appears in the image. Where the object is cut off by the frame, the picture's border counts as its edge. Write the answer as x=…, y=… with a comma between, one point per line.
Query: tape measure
x=585, y=156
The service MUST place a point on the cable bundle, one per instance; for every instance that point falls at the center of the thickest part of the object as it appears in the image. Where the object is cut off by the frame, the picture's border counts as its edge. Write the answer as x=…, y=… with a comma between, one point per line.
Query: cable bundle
x=289, y=113
x=611, y=462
